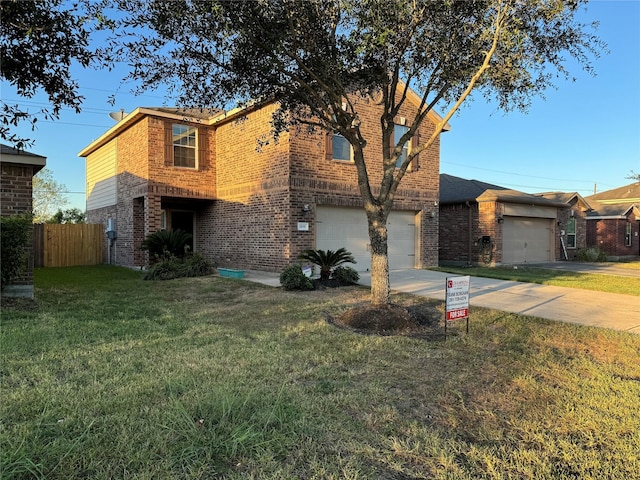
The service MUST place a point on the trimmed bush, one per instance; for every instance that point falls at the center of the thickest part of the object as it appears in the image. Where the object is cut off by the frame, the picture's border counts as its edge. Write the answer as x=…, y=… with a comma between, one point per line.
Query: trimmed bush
x=592, y=254
x=345, y=275
x=292, y=278
x=16, y=231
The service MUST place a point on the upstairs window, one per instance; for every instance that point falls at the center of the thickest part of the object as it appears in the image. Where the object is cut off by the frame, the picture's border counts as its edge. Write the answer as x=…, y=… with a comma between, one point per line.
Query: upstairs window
x=341, y=149
x=571, y=233
x=398, y=132
x=184, y=146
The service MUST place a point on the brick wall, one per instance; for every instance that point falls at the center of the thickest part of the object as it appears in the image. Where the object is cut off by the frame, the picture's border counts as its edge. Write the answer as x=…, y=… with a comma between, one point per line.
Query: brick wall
x=249, y=225
x=318, y=180
x=459, y=235
x=609, y=236
x=16, y=188
x=454, y=230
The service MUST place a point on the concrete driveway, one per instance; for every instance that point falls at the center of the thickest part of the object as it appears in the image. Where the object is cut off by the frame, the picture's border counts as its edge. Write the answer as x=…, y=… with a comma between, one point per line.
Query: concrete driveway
x=598, y=309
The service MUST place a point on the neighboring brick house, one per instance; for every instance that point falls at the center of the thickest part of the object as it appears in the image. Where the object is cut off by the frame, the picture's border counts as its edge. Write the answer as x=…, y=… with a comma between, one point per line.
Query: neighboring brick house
x=250, y=204
x=16, y=187
x=572, y=223
x=481, y=223
x=614, y=222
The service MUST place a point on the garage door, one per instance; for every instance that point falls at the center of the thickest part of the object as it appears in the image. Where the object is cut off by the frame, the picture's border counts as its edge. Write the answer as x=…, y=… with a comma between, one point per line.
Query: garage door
x=526, y=239
x=347, y=227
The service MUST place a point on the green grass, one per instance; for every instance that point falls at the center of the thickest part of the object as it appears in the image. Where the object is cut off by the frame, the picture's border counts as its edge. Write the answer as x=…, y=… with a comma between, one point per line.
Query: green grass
x=558, y=278
x=108, y=376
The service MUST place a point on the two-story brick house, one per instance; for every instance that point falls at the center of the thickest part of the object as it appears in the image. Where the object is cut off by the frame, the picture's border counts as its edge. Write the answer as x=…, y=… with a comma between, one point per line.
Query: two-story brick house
x=249, y=204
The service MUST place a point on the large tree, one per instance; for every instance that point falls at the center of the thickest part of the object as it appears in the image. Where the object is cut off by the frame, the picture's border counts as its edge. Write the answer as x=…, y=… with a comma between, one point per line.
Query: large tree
x=48, y=196
x=40, y=40
x=315, y=56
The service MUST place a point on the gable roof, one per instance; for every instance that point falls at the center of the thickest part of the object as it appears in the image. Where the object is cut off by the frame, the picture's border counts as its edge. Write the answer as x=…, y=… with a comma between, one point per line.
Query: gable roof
x=627, y=193
x=210, y=117
x=13, y=155
x=617, y=202
x=460, y=190
x=566, y=197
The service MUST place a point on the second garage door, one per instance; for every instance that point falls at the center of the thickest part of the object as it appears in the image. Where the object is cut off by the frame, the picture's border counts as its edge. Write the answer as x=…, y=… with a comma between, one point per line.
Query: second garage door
x=347, y=227
x=526, y=239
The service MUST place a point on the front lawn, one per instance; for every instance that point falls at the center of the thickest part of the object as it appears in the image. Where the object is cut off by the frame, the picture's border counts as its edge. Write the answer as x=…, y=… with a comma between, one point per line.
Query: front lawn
x=558, y=278
x=108, y=376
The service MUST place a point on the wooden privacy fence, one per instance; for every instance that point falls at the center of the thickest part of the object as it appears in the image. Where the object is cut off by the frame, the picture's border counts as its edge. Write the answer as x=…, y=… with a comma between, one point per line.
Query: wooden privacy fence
x=68, y=244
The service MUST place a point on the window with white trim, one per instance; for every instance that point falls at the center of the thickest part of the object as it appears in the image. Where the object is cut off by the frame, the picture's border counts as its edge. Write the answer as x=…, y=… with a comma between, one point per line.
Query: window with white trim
x=627, y=234
x=571, y=233
x=184, y=146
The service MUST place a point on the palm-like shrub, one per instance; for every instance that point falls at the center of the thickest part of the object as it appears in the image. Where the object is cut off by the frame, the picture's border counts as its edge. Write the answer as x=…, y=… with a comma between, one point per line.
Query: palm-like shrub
x=167, y=243
x=327, y=260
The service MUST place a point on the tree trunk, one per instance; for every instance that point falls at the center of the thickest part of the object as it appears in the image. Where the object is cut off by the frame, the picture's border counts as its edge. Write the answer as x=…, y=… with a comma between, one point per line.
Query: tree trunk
x=380, y=286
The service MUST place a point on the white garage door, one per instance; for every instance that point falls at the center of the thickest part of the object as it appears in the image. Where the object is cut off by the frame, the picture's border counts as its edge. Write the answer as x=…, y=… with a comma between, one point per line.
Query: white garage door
x=347, y=227
x=526, y=239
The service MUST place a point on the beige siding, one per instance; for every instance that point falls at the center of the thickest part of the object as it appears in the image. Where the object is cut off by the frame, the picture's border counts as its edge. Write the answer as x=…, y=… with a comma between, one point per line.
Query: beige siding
x=102, y=176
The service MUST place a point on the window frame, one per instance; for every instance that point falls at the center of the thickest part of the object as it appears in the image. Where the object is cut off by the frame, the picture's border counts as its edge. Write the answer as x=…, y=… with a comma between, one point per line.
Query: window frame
x=571, y=222
x=333, y=150
x=628, y=235
x=187, y=132
x=406, y=148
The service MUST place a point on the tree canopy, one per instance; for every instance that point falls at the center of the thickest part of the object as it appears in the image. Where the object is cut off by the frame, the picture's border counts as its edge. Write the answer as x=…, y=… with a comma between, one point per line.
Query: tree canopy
x=39, y=43
x=315, y=56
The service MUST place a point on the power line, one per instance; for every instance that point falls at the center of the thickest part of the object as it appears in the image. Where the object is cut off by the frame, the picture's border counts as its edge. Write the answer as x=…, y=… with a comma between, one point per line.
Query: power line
x=513, y=173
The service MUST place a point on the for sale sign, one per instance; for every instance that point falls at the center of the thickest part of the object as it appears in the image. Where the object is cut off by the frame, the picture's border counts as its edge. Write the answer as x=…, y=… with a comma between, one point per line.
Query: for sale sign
x=457, y=297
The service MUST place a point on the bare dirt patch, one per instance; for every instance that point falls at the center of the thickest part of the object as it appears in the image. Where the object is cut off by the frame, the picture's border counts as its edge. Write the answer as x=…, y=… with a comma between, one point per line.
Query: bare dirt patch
x=414, y=320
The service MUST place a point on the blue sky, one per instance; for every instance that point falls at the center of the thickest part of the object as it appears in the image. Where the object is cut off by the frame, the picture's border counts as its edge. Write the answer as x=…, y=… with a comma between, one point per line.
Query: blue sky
x=583, y=135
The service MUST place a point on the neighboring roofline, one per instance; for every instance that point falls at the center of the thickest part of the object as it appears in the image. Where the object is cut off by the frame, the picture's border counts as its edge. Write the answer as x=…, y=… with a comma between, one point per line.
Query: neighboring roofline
x=618, y=201
x=606, y=217
x=572, y=195
x=515, y=196
x=21, y=157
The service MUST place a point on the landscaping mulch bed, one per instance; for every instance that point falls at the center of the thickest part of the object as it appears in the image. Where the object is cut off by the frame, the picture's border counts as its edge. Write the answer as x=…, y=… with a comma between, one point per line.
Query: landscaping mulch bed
x=421, y=320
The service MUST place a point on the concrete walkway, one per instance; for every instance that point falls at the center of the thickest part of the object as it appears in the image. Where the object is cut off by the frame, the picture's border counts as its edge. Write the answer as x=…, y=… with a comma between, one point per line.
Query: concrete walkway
x=599, y=309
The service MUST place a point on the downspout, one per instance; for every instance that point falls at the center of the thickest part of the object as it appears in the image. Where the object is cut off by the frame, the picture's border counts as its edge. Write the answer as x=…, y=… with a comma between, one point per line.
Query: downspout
x=470, y=240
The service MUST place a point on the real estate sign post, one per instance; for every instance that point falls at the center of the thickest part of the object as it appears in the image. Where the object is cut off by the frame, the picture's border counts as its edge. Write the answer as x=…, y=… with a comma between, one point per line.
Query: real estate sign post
x=457, y=300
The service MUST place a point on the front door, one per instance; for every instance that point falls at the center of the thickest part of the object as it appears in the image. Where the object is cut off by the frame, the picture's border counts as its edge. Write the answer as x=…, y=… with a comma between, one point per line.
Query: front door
x=184, y=220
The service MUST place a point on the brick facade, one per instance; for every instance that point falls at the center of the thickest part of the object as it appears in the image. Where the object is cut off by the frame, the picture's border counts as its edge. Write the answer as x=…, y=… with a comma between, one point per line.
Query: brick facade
x=462, y=227
x=247, y=199
x=610, y=234
x=579, y=215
